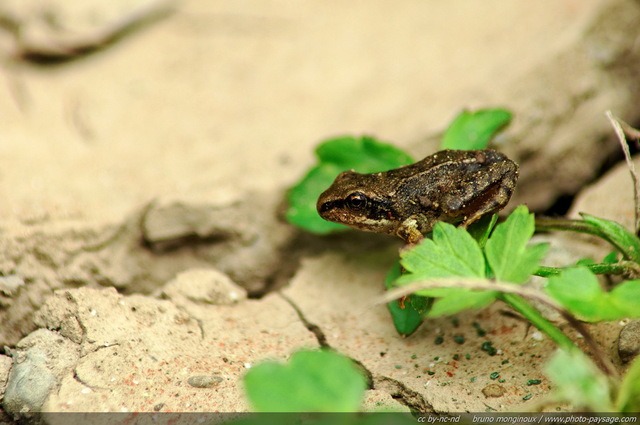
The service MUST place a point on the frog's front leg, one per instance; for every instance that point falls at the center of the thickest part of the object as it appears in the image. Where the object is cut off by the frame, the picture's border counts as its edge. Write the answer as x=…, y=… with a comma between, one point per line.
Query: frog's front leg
x=409, y=231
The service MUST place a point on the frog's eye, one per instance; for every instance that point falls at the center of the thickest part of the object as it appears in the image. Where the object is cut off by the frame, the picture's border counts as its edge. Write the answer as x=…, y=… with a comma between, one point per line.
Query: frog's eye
x=357, y=201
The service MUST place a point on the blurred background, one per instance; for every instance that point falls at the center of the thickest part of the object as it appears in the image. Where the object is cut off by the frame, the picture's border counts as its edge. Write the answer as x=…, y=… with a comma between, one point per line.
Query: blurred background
x=105, y=105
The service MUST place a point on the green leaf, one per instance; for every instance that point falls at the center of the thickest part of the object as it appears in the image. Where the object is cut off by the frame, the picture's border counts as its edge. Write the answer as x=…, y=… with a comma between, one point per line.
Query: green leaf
x=406, y=320
x=481, y=229
x=578, y=381
x=611, y=258
x=629, y=394
x=451, y=253
x=303, y=196
x=507, y=253
x=578, y=290
x=363, y=154
x=312, y=381
x=454, y=300
x=474, y=130
x=624, y=240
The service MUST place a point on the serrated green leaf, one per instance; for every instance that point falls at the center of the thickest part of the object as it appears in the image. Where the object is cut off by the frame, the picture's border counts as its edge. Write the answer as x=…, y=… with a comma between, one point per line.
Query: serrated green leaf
x=312, y=381
x=453, y=300
x=481, y=229
x=507, y=253
x=450, y=252
x=629, y=395
x=616, y=234
x=578, y=381
x=363, y=154
x=578, y=290
x=474, y=130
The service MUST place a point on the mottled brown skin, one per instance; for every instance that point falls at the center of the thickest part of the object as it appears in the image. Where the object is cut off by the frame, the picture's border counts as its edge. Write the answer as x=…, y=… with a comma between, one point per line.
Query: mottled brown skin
x=453, y=186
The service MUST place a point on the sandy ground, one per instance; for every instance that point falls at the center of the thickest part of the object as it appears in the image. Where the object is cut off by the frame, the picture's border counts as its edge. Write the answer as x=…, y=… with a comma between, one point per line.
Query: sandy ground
x=169, y=151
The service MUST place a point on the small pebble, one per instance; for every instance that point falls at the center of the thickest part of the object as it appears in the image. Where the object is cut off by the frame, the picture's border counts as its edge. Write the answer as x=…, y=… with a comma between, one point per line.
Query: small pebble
x=493, y=390
x=204, y=381
x=629, y=341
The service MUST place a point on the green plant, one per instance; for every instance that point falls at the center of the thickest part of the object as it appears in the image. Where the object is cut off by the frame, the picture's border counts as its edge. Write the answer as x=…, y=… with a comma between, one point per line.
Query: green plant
x=318, y=381
x=469, y=130
x=454, y=269
x=312, y=381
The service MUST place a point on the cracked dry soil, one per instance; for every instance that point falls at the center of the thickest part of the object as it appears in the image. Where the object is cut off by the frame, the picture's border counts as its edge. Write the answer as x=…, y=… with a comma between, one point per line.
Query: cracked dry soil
x=136, y=350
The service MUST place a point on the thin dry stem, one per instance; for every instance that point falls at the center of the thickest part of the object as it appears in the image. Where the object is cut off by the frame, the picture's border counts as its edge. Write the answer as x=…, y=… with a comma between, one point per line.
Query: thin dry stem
x=620, y=127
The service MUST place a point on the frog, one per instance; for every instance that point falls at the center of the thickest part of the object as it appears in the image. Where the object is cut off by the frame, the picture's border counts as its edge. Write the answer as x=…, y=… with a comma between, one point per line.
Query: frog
x=453, y=186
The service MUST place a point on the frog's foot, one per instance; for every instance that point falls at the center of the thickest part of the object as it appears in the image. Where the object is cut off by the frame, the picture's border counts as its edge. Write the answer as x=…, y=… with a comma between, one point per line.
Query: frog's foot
x=409, y=232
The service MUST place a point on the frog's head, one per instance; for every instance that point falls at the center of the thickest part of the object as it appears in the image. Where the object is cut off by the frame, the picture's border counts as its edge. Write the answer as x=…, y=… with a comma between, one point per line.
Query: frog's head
x=352, y=199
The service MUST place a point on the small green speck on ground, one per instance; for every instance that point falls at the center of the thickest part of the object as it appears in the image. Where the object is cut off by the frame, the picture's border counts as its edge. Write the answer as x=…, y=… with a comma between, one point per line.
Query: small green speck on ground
x=467, y=356
x=398, y=366
x=413, y=356
x=527, y=397
x=456, y=357
x=481, y=332
x=505, y=361
x=534, y=382
x=458, y=339
x=488, y=347
x=494, y=375
x=439, y=340
x=473, y=379
x=431, y=372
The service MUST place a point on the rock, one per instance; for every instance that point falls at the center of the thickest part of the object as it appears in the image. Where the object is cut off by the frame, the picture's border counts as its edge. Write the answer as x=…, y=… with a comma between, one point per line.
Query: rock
x=561, y=145
x=100, y=318
x=56, y=31
x=233, y=235
x=204, y=286
x=493, y=391
x=610, y=197
x=629, y=341
x=10, y=284
x=5, y=368
x=204, y=381
x=40, y=361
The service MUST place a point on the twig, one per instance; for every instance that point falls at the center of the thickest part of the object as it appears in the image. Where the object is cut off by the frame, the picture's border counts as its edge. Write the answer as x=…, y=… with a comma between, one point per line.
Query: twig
x=620, y=132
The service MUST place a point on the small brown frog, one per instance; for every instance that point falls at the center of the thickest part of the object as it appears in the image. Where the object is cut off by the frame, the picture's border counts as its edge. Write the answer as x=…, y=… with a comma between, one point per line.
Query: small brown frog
x=454, y=186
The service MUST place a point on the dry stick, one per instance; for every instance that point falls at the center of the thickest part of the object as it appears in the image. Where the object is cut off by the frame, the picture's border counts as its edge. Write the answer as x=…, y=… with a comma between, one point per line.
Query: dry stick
x=633, y=133
x=524, y=291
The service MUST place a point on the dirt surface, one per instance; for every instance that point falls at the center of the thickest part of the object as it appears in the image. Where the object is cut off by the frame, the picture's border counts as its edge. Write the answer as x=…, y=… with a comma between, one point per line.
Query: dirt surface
x=146, y=150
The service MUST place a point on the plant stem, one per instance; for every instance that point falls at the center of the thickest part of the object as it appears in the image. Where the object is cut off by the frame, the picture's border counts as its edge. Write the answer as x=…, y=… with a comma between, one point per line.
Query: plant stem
x=544, y=224
x=534, y=316
x=622, y=267
x=563, y=341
